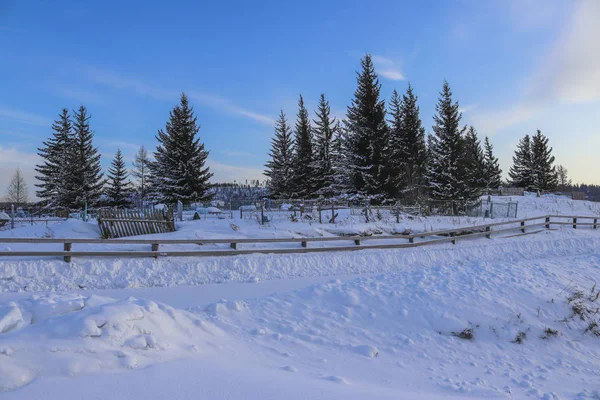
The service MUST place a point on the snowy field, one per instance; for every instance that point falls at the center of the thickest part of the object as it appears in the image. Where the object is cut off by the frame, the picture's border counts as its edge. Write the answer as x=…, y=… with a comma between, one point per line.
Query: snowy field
x=507, y=318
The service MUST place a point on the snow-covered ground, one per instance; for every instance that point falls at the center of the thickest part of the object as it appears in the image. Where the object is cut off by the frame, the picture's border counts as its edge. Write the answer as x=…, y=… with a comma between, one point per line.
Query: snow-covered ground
x=503, y=318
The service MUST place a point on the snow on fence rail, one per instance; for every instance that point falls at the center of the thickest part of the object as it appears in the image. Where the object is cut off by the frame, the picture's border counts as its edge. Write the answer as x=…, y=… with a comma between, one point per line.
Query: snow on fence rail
x=450, y=235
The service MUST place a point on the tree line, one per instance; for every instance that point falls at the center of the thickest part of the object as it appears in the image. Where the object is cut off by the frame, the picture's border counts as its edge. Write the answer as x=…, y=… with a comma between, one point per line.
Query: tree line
x=382, y=153
x=71, y=176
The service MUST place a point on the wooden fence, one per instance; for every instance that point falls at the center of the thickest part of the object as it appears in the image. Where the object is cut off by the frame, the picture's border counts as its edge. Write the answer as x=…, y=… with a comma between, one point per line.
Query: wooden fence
x=120, y=223
x=413, y=240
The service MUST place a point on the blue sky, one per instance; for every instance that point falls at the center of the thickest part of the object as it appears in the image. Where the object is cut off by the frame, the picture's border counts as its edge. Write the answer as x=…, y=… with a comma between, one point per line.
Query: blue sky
x=514, y=66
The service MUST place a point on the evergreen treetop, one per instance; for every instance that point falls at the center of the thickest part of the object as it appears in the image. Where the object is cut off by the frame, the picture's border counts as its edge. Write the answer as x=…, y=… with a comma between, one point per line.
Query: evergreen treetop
x=119, y=186
x=179, y=171
x=280, y=168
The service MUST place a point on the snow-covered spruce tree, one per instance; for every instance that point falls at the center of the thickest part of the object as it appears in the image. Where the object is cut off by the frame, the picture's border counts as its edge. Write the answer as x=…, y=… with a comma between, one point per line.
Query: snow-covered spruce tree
x=17, y=193
x=415, y=151
x=446, y=173
x=119, y=189
x=474, y=163
x=55, y=156
x=179, y=171
x=341, y=183
x=141, y=172
x=279, y=169
x=325, y=129
x=83, y=180
x=521, y=172
x=492, y=172
x=542, y=161
x=303, y=159
x=396, y=150
x=367, y=134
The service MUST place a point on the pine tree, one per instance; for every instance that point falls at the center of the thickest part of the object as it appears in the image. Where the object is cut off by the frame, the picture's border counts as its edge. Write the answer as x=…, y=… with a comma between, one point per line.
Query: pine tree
x=141, y=172
x=303, y=159
x=397, y=149
x=55, y=154
x=280, y=167
x=447, y=174
x=84, y=180
x=17, y=193
x=341, y=183
x=520, y=173
x=415, y=151
x=367, y=134
x=325, y=129
x=474, y=163
x=542, y=161
x=179, y=171
x=119, y=188
x=492, y=171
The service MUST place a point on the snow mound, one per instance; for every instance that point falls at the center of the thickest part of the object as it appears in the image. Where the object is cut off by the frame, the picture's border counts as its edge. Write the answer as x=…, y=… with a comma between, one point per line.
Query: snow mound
x=473, y=328
x=68, y=333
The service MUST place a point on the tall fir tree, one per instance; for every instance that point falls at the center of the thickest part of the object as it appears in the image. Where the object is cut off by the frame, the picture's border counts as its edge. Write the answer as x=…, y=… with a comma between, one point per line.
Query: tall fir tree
x=415, y=150
x=492, y=172
x=325, y=129
x=544, y=173
x=179, y=171
x=119, y=188
x=474, y=163
x=303, y=160
x=341, y=183
x=56, y=157
x=141, y=173
x=397, y=149
x=447, y=174
x=279, y=169
x=521, y=171
x=84, y=180
x=367, y=134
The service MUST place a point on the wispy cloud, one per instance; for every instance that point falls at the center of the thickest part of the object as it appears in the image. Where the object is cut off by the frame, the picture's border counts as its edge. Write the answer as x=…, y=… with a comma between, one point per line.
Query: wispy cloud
x=24, y=117
x=387, y=68
x=468, y=108
x=142, y=88
x=570, y=73
x=228, y=173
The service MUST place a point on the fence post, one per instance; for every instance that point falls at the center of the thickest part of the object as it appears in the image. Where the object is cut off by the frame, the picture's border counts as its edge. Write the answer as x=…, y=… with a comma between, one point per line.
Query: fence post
x=547, y=222
x=320, y=215
x=357, y=242
x=67, y=247
x=304, y=244
x=489, y=230
x=595, y=222
x=523, y=226
x=262, y=214
x=241, y=212
x=155, y=248
x=12, y=216
x=574, y=223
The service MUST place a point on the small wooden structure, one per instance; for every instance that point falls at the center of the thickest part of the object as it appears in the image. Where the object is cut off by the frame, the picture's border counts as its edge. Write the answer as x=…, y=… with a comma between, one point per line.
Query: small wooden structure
x=115, y=223
x=578, y=195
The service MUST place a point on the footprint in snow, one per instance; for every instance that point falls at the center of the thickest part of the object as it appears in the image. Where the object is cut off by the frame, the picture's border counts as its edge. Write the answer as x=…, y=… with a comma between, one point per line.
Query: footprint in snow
x=289, y=368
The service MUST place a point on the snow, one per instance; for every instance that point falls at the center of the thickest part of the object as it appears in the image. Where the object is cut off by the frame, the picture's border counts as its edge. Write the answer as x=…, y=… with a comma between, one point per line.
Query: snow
x=383, y=324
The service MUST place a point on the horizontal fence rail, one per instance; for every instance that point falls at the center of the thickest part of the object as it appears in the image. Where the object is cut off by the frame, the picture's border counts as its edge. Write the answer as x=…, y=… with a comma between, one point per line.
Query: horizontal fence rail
x=440, y=236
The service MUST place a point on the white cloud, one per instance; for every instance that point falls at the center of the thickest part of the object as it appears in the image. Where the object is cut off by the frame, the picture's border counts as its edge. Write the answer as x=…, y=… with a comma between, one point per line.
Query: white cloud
x=387, y=68
x=24, y=117
x=572, y=71
x=216, y=102
x=228, y=173
x=468, y=108
x=569, y=73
